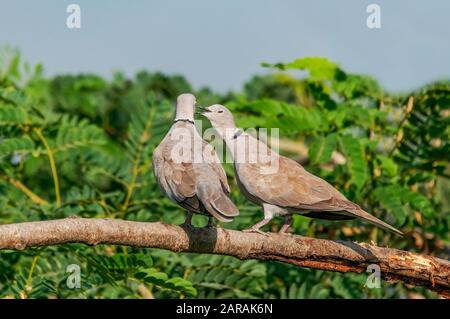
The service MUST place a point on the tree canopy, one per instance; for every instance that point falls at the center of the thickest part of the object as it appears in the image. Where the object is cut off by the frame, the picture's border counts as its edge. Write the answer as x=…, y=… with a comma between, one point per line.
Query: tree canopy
x=82, y=144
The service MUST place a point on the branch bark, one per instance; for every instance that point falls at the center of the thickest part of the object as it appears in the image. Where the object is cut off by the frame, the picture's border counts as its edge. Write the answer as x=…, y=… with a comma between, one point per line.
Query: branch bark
x=340, y=256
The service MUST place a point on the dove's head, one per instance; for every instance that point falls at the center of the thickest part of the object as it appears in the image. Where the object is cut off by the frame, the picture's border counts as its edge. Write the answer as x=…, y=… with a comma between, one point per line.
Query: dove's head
x=186, y=99
x=219, y=116
x=186, y=106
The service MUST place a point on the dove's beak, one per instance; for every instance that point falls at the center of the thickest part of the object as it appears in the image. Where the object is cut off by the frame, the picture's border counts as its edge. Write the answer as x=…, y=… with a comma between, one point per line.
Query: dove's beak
x=199, y=110
x=203, y=110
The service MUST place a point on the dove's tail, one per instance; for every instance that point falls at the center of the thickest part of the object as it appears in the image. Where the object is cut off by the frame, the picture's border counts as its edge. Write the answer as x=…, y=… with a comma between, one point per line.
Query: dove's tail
x=359, y=213
x=217, y=203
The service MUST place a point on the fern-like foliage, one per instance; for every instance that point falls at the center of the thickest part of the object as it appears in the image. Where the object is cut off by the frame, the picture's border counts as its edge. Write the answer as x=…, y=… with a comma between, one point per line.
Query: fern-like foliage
x=96, y=137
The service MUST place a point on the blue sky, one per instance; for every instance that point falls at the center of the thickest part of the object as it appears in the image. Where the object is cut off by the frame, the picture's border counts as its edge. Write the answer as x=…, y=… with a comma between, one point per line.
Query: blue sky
x=222, y=43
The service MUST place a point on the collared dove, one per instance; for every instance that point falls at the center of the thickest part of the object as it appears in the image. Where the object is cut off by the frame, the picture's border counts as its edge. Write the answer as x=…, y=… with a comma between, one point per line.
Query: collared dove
x=197, y=183
x=281, y=185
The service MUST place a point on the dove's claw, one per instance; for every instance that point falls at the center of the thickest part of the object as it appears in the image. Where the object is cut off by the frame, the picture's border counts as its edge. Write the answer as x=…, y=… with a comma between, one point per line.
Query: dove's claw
x=255, y=230
x=284, y=231
x=285, y=228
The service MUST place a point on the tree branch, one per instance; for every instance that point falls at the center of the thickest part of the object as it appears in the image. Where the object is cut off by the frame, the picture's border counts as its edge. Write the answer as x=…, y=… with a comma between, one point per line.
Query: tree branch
x=395, y=265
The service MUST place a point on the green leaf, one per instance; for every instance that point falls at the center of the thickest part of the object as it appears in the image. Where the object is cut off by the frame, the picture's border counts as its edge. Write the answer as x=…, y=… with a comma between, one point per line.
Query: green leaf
x=389, y=198
x=74, y=134
x=152, y=276
x=319, y=68
x=16, y=145
x=288, y=118
x=394, y=197
x=319, y=292
x=180, y=284
x=248, y=265
x=11, y=115
x=212, y=274
x=354, y=85
x=340, y=288
x=322, y=148
x=417, y=201
x=387, y=165
x=301, y=293
x=231, y=280
x=293, y=289
x=356, y=162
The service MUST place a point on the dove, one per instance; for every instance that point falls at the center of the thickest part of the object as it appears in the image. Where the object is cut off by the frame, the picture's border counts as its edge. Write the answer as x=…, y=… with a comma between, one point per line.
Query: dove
x=279, y=184
x=197, y=184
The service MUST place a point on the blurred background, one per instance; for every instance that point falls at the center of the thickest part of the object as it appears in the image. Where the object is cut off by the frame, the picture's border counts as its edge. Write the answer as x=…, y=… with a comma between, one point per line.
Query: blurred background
x=81, y=111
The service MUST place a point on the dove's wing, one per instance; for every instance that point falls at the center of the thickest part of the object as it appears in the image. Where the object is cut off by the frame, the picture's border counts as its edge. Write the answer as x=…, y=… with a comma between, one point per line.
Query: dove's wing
x=292, y=187
x=177, y=180
x=213, y=160
x=199, y=187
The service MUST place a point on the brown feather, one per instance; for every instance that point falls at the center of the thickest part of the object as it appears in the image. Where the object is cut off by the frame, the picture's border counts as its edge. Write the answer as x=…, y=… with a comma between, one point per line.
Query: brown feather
x=293, y=188
x=198, y=187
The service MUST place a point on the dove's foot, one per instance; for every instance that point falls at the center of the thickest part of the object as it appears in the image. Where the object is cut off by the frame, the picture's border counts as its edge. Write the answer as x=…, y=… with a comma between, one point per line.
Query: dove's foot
x=255, y=230
x=284, y=230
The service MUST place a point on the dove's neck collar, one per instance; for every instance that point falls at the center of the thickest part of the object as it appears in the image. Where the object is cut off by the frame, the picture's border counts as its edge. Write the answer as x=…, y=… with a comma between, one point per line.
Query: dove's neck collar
x=185, y=113
x=237, y=133
x=184, y=120
x=228, y=133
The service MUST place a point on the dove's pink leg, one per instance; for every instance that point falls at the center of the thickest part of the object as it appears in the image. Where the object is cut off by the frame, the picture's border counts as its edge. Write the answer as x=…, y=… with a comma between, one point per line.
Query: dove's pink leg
x=286, y=225
x=269, y=212
x=255, y=228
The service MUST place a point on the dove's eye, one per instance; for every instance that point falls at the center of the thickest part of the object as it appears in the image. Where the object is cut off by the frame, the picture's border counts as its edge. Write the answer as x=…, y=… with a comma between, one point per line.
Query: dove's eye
x=220, y=112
